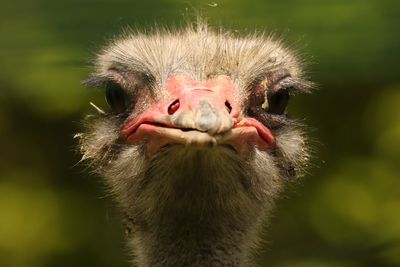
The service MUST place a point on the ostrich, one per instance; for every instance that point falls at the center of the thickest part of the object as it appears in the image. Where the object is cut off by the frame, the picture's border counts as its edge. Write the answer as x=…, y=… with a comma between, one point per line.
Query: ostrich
x=196, y=144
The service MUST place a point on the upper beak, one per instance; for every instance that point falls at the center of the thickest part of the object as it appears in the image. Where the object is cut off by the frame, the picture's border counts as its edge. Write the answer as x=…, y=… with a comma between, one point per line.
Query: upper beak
x=202, y=110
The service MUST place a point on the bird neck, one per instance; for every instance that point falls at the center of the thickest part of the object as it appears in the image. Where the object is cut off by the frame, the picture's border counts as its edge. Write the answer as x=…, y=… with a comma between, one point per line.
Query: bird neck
x=199, y=212
x=192, y=243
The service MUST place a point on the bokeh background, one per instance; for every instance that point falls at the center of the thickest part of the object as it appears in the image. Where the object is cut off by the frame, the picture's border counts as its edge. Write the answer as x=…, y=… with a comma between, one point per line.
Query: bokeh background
x=345, y=212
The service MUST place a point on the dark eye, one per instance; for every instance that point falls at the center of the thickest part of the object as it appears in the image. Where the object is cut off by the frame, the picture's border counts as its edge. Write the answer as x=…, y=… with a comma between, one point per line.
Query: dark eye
x=277, y=102
x=116, y=97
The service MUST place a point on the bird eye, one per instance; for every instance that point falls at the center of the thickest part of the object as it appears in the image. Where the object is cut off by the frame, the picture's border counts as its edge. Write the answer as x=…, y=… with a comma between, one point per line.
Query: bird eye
x=116, y=97
x=277, y=102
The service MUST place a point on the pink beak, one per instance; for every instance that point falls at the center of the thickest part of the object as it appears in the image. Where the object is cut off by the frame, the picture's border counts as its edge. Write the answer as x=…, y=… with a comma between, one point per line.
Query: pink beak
x=200, y=113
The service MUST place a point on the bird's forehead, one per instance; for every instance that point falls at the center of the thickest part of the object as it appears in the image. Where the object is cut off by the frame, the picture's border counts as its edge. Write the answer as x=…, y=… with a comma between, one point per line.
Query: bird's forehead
x=178, y=83
x=199, y=52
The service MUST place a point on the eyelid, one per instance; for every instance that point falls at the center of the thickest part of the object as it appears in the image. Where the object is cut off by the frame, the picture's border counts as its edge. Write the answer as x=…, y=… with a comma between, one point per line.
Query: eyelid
x=130, y=85
x=292, y=84
x=101, y=80
x=124, y=78
x=285, y=83
x=95, y=81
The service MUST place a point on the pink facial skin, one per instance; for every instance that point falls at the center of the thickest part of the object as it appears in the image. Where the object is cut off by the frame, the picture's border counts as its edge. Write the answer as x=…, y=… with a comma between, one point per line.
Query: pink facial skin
x=202, y=114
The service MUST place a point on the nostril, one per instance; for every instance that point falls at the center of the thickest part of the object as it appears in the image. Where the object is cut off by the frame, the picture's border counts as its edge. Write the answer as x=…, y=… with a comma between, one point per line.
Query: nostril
x=228, y=106
x=173, y=107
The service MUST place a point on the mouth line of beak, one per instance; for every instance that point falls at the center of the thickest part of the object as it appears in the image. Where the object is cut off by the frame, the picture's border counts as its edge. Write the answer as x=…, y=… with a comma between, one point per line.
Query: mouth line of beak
x=155, y=130
x=131, y=128
x=159, y=133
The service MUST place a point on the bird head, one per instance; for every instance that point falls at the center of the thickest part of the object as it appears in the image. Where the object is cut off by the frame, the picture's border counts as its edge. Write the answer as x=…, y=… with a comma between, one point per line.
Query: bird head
x=197, y=128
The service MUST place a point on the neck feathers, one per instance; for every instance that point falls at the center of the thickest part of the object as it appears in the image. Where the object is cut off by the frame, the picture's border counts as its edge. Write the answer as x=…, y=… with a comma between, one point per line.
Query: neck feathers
x=195, y=208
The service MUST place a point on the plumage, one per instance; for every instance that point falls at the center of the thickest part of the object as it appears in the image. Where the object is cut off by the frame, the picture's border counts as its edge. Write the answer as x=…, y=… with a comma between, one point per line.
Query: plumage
x=196, y=145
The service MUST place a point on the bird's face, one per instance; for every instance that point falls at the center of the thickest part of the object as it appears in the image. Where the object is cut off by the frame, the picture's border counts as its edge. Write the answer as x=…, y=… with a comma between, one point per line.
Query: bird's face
x=199, y=114
x=197, y=121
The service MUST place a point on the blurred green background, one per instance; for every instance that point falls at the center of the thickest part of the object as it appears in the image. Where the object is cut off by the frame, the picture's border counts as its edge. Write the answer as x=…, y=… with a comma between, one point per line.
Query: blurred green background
x=346, y=212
